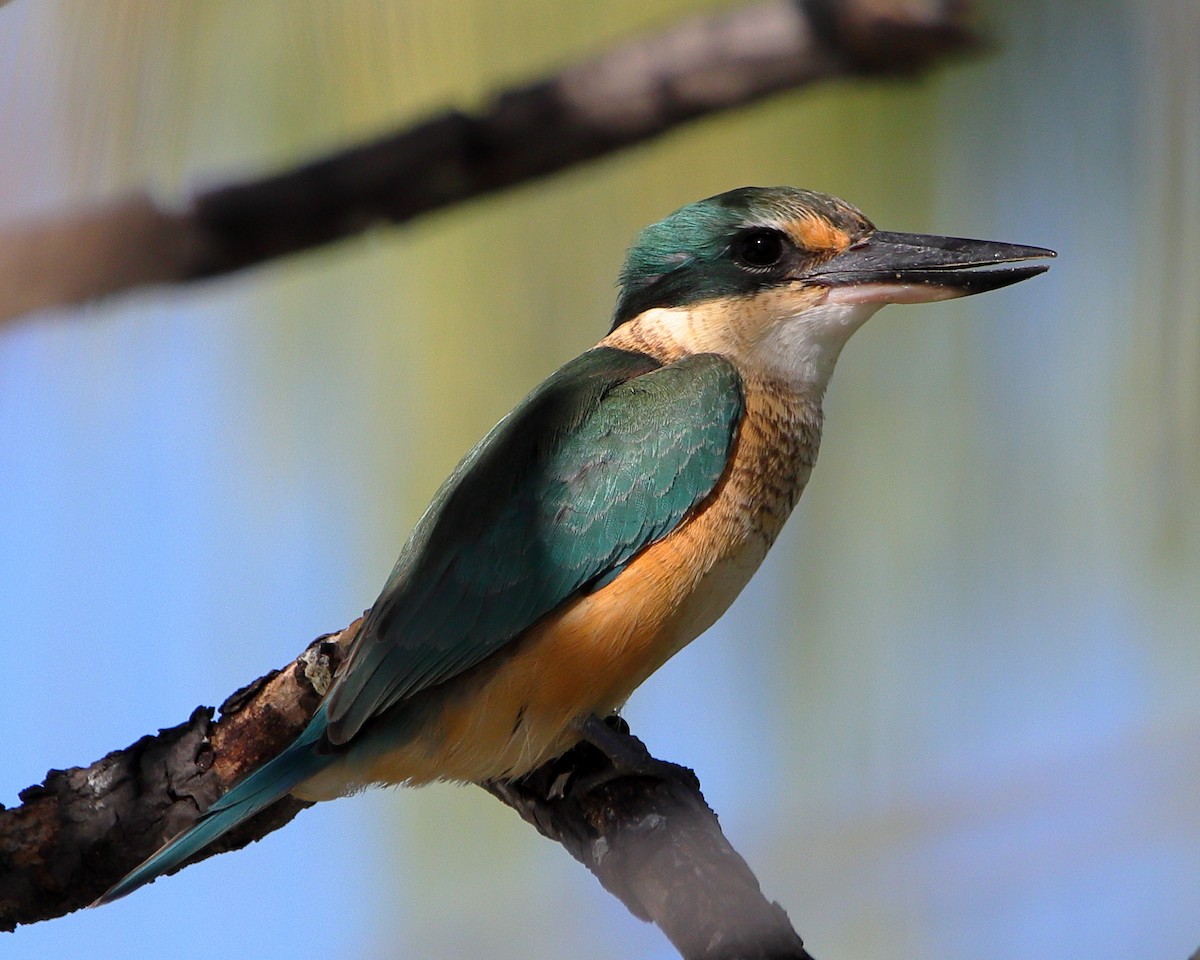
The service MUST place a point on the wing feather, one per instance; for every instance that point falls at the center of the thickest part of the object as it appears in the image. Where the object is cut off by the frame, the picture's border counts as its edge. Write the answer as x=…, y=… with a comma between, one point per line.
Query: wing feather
x=607, y=456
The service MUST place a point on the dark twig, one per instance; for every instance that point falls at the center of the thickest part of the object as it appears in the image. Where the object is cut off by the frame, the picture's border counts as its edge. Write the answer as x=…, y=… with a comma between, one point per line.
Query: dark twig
x=626, y=95
x=654, y=844
x=79, y=831
x=650, y=839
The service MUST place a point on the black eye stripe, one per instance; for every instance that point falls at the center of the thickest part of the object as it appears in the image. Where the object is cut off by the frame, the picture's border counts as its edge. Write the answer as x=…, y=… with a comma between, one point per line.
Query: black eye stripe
x=759, y=249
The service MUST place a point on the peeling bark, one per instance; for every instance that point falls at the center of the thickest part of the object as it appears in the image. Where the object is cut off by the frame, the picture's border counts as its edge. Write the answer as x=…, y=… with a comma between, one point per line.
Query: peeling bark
x=80, y=830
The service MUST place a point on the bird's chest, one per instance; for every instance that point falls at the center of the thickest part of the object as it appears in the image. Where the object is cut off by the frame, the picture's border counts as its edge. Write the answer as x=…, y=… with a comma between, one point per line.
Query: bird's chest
x=517, y=709
x=592, y=653
x=691, y=577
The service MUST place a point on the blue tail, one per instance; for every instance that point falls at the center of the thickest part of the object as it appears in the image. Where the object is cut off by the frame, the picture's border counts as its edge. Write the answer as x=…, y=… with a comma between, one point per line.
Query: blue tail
x=258, y=791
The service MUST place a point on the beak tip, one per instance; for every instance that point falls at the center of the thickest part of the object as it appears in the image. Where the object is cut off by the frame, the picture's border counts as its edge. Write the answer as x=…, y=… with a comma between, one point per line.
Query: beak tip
x=985, y=280
x=916, y=268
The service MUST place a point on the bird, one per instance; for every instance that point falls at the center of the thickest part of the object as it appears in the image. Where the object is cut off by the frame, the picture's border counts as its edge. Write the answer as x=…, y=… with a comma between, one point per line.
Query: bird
x=617, y=511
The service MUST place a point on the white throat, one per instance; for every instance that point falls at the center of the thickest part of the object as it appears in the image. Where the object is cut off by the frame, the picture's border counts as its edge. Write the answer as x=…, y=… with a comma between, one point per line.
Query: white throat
x=768, y=337
x=802, y=350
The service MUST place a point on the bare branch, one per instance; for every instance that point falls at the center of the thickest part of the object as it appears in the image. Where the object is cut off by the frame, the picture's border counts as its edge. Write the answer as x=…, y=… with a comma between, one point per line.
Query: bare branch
x=80, y=830
x=650, y=839
x=656, y=846
x=626, y=95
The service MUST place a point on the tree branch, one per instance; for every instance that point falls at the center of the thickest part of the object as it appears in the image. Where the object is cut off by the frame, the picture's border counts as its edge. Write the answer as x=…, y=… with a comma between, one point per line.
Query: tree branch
x=650, y=840
x=626, y=95
x=655, y=845
x=80, y=830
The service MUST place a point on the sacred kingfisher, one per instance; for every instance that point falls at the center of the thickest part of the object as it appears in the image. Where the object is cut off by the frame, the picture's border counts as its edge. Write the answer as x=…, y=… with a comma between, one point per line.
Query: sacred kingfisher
x=615, y=514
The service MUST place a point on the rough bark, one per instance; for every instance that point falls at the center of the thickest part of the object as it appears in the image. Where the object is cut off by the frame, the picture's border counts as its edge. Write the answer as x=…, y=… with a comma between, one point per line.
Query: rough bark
x=654, y=843
x=649, y=837
x=80, y=830
x=626, y=95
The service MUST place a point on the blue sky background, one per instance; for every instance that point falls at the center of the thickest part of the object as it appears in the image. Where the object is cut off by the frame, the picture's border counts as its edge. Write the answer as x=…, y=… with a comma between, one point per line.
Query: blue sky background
x=953, y=716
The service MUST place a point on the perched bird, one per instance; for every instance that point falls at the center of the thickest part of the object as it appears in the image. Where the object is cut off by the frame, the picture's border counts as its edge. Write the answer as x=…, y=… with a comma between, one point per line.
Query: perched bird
x=618, y=510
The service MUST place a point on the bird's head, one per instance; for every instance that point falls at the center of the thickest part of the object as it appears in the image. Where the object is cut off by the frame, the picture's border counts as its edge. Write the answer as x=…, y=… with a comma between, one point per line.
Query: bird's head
x=784, y=276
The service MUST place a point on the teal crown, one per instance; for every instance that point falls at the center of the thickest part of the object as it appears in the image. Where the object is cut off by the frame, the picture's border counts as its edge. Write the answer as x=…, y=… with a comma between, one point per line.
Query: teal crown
x=684, y=258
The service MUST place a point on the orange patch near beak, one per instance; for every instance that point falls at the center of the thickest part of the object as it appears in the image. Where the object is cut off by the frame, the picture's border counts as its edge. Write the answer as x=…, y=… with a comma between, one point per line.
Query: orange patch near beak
x=817, y=233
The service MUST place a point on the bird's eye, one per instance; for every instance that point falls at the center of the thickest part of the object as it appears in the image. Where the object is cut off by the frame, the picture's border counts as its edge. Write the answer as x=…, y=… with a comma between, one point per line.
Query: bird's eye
x=759, y=248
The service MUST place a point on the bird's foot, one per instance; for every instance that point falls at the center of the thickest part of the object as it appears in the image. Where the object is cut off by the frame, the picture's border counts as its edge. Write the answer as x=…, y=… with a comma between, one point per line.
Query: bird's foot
x=607, y=753
x=627, y=754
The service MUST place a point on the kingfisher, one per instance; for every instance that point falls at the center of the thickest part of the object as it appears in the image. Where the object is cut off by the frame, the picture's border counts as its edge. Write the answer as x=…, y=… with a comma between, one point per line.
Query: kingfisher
x=618, y=510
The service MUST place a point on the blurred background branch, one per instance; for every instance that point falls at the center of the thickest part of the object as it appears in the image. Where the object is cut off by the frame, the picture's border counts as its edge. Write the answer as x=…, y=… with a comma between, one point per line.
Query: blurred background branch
x=632, y=92
x=953, y=716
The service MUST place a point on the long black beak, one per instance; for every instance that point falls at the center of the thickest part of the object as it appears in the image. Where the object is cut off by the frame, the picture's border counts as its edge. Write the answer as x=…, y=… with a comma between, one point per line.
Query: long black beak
x=913, y=268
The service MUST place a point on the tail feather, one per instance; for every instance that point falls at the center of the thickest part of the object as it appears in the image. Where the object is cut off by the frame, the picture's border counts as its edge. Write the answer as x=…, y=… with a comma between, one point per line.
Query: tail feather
x=270, y=782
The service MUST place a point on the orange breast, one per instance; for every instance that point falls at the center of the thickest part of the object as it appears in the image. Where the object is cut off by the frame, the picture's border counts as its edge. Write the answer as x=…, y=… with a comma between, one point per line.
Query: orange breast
x=517, y=709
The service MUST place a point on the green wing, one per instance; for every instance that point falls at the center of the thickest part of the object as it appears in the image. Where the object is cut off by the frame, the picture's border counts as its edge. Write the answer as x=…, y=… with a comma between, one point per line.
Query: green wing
x=604, y=458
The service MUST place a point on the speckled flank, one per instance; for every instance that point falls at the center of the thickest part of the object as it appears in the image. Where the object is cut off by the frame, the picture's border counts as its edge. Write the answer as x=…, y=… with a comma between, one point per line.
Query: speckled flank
x=516, y=710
